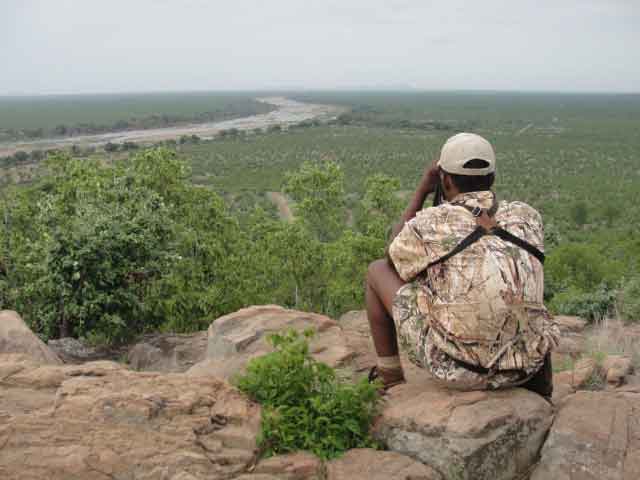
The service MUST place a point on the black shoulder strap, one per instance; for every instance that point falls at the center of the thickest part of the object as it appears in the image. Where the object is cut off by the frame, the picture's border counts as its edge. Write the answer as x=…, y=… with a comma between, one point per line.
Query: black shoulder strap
x=467, y=241
x=480, y=232
x=517, y=241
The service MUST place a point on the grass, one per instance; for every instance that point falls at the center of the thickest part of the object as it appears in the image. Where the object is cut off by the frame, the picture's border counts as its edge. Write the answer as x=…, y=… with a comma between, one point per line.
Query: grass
x=614, y=337
x=605, y=338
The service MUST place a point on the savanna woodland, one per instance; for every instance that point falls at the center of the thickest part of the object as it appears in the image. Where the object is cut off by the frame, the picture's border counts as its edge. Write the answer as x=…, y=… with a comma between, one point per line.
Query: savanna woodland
x=106, y=244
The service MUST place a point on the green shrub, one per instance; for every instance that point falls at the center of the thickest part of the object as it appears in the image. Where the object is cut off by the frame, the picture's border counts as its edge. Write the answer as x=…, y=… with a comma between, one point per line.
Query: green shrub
x=593, y=305
x=305, y=406
x=629, y=300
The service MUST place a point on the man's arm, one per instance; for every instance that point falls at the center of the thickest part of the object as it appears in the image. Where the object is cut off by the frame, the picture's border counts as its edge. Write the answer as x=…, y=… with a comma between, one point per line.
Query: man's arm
x=426, y=186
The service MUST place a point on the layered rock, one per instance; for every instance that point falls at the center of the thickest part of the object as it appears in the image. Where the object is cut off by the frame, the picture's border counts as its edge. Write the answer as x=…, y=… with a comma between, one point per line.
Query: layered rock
x=237, y=338
x=101, y=421
x=16, y=337
x=595, y=436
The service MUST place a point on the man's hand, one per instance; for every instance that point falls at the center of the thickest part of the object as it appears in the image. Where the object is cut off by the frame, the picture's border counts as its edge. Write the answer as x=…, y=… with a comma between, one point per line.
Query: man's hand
x=427, y=185
x=430, y=178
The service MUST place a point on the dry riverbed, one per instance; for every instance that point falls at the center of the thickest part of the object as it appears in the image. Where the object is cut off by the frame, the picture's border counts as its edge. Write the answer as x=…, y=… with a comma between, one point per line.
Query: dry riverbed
x=287, y=112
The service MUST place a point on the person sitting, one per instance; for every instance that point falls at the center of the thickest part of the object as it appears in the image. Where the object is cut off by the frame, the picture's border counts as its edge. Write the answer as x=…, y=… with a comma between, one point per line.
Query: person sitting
x=461, y=289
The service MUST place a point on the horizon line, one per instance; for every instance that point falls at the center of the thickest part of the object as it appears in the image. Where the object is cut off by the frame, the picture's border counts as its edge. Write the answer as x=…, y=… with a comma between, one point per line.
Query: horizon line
x=294, y=90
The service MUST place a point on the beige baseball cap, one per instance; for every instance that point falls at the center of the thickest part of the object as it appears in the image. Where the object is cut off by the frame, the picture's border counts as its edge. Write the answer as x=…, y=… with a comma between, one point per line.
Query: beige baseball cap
x=461, y=148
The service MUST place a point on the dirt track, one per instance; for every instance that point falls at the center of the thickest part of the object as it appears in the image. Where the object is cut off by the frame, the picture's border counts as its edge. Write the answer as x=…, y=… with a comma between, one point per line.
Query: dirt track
x=281, y=202
x=288, y=112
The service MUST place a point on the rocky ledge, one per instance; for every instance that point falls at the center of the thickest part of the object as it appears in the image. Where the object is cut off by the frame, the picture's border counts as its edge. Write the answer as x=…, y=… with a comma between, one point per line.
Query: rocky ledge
x=102, y=420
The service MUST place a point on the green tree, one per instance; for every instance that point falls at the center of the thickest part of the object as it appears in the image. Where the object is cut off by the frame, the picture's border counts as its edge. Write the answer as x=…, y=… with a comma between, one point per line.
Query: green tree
x=318, y=189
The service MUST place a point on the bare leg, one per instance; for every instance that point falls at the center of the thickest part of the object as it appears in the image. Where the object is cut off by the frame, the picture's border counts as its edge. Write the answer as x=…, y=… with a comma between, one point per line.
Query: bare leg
x=382, y=284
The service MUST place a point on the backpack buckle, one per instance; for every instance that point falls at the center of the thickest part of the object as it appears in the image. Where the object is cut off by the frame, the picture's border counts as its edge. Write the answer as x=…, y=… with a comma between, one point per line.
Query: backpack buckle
x=476, y=212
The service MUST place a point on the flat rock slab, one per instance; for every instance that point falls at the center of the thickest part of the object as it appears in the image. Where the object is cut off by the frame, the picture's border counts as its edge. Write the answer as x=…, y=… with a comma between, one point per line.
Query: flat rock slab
x=464, y=435
x=16, y=337
x=235, y=339
x=595, y=436
x=368, y=464
x=101, y=421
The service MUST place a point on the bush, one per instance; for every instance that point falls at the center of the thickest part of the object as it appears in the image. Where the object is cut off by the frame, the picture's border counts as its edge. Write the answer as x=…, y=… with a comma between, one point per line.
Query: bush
x=593, y=305
x=305, y=406
x=629, y=300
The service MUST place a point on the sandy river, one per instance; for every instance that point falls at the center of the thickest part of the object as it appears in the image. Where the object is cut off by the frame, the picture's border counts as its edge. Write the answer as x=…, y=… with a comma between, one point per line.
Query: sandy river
x=287, y=112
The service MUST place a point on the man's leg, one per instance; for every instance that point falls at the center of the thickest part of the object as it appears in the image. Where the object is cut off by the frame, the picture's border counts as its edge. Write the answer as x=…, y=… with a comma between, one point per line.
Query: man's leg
x=382, y=284
x=542, y=381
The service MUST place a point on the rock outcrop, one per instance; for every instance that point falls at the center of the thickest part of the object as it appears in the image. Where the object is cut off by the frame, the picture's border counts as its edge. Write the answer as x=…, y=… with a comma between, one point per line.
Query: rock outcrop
x=595, y=436
x=16, y=337
x=102, y=421
x=237, y=338
x=465, y=435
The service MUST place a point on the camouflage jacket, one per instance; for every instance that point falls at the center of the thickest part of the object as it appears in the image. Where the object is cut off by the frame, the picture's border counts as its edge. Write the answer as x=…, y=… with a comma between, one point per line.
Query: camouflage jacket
x=483, y=306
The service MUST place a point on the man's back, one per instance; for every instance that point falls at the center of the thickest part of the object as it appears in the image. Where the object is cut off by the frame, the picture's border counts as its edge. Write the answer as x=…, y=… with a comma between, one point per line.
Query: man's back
x=461, y=289
x=484, y=305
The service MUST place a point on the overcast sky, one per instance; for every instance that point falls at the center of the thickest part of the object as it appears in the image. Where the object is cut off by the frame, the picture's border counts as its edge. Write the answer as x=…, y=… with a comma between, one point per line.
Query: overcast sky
x=77, y=46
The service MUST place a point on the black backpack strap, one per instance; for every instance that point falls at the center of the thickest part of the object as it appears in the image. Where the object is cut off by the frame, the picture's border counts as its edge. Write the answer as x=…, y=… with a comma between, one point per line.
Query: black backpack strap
x=480, y=232
x=517, y=241
x=467, y=241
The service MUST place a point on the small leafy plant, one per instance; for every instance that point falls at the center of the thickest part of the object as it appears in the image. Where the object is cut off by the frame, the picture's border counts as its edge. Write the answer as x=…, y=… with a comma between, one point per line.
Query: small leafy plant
x=304, y=406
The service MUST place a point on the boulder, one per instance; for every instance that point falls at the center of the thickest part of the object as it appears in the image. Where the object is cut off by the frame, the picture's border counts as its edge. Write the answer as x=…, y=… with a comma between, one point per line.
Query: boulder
x=595, y=436
x=16, y=337
x=235, y=339
x=168, y=352
x=617, y=368
x=464, y=435
x=368, y=464
x=102, y=421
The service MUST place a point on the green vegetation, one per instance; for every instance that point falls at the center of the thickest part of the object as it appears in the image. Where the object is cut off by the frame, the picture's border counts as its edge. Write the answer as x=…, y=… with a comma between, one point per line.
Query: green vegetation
x=305, y=406
x=629, y=300
x=171, y=239
x=64, y=115
x=106, y=250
